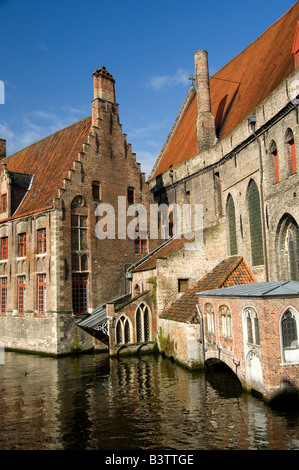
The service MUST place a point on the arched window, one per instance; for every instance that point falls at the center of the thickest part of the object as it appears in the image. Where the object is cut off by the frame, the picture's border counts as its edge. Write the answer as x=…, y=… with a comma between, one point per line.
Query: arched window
x=226, y=322
x=255, y=224
x=232, y=225
x=290, y=152
x=143, y=327
x=289, y=335
x=252, y=325
x=274, y=167
x=210, y=318
x=287, y=248
x=123, y=330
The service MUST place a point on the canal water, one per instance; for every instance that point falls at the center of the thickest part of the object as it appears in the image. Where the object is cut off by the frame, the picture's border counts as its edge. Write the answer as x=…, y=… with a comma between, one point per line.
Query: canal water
x=92, y=402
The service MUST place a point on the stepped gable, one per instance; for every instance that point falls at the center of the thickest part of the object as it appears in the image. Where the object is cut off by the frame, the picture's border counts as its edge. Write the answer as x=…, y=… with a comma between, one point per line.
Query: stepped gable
x=237, y=89
x=49, y=161
x=230, y=272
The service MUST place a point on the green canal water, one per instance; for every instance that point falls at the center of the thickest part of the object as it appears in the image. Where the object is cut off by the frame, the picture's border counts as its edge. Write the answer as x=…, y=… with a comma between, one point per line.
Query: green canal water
x=92, y=402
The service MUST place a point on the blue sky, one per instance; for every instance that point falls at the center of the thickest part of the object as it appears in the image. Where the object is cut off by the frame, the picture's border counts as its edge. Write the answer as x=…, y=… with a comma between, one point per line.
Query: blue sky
x=50, y=48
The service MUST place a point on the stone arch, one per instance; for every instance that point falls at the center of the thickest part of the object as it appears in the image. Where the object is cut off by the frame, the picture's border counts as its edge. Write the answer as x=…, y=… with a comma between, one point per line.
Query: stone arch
x=289, y=335
x=255, y=224
x=143, y=323
x=254, y=371
x=123, y=330
x=231, y=220
x=287, y=248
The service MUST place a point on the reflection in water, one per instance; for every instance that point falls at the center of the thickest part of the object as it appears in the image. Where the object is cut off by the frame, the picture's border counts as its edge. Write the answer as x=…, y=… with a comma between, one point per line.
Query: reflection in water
x=147, y=402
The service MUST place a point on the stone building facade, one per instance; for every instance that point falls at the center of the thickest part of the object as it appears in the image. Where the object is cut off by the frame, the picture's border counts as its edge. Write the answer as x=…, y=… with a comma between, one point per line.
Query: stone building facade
x=60, y=197
x=245, y=173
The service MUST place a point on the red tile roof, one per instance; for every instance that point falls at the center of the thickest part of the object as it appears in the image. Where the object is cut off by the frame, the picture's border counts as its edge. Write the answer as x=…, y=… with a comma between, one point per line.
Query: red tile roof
x=237, y=88
x=48, y=161
x=167, y=249
x=230, y=272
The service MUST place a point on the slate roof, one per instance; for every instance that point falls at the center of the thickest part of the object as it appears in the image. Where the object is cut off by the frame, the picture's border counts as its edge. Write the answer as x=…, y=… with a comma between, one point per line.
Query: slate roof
x=230, y=272
x=48, y=161
x=237, y=89
x=256, y=289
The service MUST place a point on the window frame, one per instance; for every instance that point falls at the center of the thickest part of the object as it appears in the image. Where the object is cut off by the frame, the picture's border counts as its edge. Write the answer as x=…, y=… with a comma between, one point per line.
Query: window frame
x=41, y=241
x=4, y=248
x=41, y=293
x=3, y=296
x=21, y=298
x=22, y=245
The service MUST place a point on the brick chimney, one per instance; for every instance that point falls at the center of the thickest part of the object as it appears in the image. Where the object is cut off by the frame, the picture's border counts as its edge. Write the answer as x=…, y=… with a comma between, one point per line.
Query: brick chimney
x=103, y=90
x=103, y=85
x=205, y=124
x=2, y=149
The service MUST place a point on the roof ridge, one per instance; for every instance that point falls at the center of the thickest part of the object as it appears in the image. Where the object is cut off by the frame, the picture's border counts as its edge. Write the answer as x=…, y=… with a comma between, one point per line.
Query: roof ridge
x=44, y=138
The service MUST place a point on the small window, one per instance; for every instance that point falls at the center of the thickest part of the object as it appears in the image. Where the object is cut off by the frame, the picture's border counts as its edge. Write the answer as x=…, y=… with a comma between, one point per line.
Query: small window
x=4, y=248
x=131, y=195
x=96, y=191
x=183, y=285
x=41, y=241
x=141, y=244
x=4, y=203
x=22, y=244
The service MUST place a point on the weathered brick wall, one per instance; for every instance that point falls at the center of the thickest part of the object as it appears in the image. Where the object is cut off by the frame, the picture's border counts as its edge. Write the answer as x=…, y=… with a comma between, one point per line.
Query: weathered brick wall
x=236, y=352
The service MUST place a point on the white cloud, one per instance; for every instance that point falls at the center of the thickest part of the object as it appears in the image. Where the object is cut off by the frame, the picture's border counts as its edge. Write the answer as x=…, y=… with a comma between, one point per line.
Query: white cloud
x=35, y=126
x=159, y=82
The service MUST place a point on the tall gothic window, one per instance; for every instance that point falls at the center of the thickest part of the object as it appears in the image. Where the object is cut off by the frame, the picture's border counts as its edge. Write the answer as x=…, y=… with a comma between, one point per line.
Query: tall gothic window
x=255, y=224
x=289, y=335
x=232, y=225
x=287, y=248
x=123, y=330
x=143, y=329
x=79, y=248
x=252, y=326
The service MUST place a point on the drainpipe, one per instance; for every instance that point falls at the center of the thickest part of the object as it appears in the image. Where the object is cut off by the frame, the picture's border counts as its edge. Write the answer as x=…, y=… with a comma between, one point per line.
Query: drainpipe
x=252, y=122
x=202, y=334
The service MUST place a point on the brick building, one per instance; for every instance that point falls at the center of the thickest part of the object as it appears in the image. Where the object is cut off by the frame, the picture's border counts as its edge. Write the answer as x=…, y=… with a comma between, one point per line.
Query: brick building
x=233, y=149
x=54, y=265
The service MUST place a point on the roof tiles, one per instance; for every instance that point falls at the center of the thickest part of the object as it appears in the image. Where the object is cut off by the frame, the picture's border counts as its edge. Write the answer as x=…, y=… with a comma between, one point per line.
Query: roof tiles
x=49, y=161
x=236, y=89
x=230, y=272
